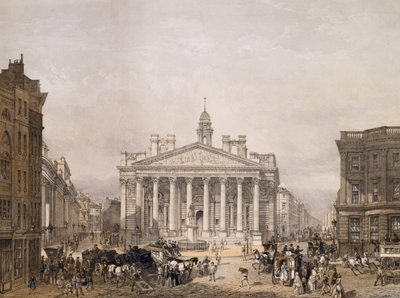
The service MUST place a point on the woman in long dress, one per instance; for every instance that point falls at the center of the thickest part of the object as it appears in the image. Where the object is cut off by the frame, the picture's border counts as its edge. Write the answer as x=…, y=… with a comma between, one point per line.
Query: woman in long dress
x=298, y=284
x=284, y=273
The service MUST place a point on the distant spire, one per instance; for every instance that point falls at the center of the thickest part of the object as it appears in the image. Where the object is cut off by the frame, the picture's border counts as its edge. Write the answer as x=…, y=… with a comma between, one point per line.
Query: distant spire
x=205, y=98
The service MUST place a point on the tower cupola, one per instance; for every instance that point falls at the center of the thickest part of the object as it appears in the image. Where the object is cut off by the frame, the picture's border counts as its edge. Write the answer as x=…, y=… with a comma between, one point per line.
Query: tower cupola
x=205, y=131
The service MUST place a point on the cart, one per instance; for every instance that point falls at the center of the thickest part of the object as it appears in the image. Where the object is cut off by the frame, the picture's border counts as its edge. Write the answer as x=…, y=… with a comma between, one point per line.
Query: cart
x=390, y=256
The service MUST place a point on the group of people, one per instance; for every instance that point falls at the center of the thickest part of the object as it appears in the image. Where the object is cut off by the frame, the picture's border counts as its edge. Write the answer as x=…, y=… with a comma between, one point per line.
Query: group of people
x=67, y=273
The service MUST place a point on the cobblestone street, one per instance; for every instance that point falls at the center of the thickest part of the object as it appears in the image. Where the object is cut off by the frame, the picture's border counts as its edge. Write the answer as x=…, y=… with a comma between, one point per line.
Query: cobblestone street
x=226, y=284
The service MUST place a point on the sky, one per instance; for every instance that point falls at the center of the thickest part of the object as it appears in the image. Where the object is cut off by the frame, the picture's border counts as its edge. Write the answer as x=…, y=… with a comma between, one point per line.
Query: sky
x=288, y=74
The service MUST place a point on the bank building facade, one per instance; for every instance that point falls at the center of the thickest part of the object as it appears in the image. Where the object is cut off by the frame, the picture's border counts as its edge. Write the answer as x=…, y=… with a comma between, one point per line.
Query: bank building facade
x=232, y=194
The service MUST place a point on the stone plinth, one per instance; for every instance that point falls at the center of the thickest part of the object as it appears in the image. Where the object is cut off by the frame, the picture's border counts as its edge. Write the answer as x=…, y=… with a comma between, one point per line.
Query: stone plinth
x=192, y=233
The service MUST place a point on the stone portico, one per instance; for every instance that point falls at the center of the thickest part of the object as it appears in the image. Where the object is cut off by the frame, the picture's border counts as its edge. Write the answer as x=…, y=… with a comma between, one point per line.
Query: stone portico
x=232, y=196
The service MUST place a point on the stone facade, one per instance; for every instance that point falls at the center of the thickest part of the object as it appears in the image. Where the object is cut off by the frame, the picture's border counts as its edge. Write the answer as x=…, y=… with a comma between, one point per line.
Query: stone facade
x=111, y=215
x=292, y=218
x=368, y=203
x=60, y=209
x=232, y=194
x=21, y=103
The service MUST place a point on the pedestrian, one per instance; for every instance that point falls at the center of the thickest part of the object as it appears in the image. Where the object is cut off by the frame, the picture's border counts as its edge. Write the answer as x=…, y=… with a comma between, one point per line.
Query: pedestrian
x=312, y=280
x=42, y=268
x=52, y=272
x=89, y=278
x=244, y=276
x=32, y=284
x=218, y=256
x=284, y=276
x=160, y=275
x=244, y=253
x=77, y=284
x=297, y=284
x=60, y=278
x=379, y=276
x=339, y=290
x=212, y=270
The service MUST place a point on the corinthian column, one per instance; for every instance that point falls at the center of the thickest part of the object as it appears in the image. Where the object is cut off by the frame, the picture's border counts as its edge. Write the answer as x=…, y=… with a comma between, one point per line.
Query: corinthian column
x=239, y=219
x=222, y=223
x=123, y=184
x=189, y=181
x=155, y=202
x=139, y=203
x=256, y=205
x=206, y=207
x=172, y=204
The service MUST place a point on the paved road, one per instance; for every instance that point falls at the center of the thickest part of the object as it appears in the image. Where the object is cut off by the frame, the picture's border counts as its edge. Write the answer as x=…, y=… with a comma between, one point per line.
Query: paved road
x=227, y=284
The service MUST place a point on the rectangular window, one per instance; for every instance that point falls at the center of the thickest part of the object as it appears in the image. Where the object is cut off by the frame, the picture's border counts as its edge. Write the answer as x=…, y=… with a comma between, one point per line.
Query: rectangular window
x=394, y=226
x=19, y=180
x=25, y=182
x=375, y=192
x=283, y=205
x=355, y=229
x=374, y=228
x=25, y=145
x=375, y=161
x=5, y=208
x=396, y=191
x=355, y=163
x=396, y=159
x=19, y=142
x=355, y=193
x=25, y=109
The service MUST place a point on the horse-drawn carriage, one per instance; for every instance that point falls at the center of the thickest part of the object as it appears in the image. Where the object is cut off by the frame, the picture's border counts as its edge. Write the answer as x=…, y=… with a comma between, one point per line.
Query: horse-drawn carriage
x=284, y=270
x=390, y=256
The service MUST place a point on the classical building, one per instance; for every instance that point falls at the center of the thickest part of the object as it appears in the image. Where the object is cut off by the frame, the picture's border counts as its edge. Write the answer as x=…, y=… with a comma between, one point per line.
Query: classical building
x=368, y=203
x=95, y=217
x=233, y=194
x=89, y=216
x=21, y=103
x=60, y=208
x=287, y=214
x=111, y=214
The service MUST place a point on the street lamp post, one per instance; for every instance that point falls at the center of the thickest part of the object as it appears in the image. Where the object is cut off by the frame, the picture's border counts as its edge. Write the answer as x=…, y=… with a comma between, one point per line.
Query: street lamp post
x=334, y=223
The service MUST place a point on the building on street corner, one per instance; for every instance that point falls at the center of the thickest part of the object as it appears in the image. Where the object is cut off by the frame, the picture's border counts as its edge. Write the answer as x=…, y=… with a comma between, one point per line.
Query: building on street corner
x=111, y=215
x=233, y=193
x=368, y=203
x=20, y=175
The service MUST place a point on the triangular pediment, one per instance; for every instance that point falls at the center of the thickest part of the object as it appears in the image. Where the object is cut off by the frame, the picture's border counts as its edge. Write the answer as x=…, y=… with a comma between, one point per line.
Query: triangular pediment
x=197, y=155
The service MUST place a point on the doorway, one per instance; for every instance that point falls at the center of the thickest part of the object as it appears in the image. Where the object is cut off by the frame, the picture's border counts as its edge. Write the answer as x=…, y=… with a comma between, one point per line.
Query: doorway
x=199, y=222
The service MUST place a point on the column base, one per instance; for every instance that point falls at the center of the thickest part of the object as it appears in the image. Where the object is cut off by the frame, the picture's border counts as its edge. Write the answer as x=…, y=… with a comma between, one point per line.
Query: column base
x=239, y=234
x=256, y=238
x=172, y=233
x=222, y=234
x=205, y=234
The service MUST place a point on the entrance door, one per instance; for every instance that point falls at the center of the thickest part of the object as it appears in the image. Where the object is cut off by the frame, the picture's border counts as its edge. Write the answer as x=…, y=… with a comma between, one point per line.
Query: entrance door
x=199, y=222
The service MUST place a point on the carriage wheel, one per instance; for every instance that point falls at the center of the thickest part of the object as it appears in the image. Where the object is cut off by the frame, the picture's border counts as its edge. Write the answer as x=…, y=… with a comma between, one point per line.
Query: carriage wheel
x=326, y=289
x=97, y=269
x=388, y=263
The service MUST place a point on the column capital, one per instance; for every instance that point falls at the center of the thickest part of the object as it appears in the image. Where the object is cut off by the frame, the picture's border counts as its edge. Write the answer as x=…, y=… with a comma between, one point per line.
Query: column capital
x=206, y=180
x=172, y=180
x=155, y=179
x=256, y=180
x=188, y=180
x=239, y=180
x=223, y=180
x=123, y=181
x=139, y=179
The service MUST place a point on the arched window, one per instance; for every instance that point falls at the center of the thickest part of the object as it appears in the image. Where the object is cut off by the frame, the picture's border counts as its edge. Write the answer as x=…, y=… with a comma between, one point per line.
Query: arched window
x=6, y=115
x=5, y=157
